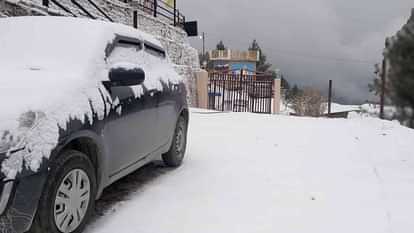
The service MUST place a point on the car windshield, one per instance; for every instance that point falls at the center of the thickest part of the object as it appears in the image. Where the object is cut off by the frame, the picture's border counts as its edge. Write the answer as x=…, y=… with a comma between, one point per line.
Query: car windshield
x=60, y=47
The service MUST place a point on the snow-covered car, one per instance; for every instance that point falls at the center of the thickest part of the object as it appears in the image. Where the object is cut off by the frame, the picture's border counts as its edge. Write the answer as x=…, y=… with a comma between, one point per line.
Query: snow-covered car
x=83, y=103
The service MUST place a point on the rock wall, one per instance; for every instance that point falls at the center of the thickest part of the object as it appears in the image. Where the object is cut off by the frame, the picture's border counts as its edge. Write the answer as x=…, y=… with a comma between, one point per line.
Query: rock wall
x=174, y=39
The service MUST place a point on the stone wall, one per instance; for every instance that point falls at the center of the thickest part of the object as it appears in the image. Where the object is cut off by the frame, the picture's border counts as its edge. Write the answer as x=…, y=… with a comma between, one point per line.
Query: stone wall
x=174, y=39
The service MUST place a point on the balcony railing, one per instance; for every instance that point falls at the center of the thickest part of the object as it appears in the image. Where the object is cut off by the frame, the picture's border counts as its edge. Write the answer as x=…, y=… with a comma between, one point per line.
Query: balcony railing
x=157, y=8
x=232, y=55
x=160, y=9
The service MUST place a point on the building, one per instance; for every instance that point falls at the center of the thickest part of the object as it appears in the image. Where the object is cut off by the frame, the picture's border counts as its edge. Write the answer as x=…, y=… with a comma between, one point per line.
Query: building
x=231, y=61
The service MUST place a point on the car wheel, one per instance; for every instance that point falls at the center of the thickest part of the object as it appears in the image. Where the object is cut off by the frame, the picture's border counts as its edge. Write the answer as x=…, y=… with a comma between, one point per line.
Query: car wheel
x=174, y=157
x=69, y=195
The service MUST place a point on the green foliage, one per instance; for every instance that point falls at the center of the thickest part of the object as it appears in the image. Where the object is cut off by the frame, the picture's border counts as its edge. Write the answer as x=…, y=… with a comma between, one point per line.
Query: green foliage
x=375, y=86
x=293, y=93
x=400, y=58
x=262, y=65
x=290, y=94
x=220, y=46
x=204, y=58
x=285, y=84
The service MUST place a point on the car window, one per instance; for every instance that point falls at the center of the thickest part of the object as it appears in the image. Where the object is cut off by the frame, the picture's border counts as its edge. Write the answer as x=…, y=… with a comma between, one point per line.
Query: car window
x=153, y=50
x=124, y=51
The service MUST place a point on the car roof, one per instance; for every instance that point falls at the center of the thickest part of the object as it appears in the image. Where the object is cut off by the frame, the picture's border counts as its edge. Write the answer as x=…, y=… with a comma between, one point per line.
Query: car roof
x=80, y=25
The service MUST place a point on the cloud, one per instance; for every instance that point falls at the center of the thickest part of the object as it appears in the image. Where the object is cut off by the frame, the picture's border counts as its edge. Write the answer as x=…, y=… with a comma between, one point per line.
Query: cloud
x=311, y=41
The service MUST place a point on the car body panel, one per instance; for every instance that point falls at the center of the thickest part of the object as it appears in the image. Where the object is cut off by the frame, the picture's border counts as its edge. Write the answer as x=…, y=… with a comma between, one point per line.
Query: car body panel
x=22, y=208
x=135, y=114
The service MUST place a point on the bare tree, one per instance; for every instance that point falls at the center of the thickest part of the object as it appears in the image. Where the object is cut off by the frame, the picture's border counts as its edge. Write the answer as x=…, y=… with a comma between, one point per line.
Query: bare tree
x=309, y=102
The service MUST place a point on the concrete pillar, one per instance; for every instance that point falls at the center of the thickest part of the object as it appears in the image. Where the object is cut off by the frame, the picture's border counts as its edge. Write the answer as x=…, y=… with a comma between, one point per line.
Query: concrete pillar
x=202, y=89
x=277, y=95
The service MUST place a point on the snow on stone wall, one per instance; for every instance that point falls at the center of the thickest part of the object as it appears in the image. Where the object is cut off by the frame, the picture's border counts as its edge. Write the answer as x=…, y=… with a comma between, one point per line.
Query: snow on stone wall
x=173, y=39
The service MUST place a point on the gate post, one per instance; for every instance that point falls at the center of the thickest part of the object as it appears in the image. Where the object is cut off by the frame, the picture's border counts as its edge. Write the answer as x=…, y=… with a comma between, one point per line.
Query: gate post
x=202, y=89
x=276, y=96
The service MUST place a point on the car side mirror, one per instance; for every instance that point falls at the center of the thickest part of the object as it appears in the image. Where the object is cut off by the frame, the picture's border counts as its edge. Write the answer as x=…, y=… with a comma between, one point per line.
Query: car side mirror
x=120, y=76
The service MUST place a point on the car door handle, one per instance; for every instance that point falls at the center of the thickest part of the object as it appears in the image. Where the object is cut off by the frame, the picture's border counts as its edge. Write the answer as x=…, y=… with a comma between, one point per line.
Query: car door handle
x=153, y=92
x=176, y=87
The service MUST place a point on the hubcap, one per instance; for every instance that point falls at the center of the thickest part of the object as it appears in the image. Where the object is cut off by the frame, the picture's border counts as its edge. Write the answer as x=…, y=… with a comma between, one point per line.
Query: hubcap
x=180, y=140
x=72, y=201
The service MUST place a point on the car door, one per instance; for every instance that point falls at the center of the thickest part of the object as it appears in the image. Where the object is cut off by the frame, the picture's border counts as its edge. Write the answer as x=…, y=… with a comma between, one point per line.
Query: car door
x=128, y=132
x=167, y=98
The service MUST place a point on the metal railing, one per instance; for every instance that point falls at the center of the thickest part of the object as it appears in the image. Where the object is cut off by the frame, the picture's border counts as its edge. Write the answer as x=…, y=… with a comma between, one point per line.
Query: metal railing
x=240, y=93
x=156, y=8
x=161, y=9
x=234, y=55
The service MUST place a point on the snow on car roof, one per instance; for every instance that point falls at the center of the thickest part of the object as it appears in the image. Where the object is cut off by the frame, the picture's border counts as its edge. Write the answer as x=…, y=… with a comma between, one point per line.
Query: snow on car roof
x=55, y=24
x=36, y=41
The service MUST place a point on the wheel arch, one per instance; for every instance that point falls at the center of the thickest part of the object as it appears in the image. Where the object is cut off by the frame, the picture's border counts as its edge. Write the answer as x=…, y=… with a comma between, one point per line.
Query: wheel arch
x=186, y=114
x=90, y=144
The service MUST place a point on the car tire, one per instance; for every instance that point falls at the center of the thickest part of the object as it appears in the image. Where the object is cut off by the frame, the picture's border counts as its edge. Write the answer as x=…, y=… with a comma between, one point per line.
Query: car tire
x=174, y=157
x=72, y=172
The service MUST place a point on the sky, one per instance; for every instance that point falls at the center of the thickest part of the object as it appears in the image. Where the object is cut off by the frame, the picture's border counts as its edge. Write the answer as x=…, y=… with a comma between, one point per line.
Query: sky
x=310, y=41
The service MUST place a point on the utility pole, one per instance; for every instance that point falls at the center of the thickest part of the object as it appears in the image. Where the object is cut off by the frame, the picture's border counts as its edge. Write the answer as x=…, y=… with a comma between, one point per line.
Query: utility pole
x=204, y=44
x=203, y=57
x=383, y=80
x=330, y=98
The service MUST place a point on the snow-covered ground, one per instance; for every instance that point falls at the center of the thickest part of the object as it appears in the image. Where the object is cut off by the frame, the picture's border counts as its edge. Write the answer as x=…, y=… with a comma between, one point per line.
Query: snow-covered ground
x=335, y=107
x=253, y=173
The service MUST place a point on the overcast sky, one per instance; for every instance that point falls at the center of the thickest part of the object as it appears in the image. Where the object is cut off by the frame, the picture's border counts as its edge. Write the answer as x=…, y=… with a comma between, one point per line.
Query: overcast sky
x=310, y=41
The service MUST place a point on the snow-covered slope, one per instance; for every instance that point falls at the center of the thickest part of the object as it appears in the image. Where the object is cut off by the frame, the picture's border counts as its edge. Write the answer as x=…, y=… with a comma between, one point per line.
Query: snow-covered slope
x=259, y=173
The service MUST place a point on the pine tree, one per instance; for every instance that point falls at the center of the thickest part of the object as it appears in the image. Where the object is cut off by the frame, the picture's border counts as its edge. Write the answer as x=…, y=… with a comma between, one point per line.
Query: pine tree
x=294, y=92
x=285, y=84
x=400, y=57
x=375, y=86
x=220, y=46
x=204, y=58
x=262, y=65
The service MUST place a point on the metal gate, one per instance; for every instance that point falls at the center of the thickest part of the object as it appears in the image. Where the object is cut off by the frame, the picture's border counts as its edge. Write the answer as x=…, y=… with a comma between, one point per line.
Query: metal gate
x=240, y=93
